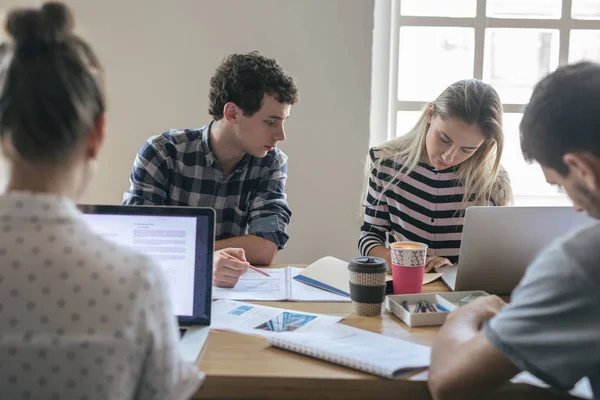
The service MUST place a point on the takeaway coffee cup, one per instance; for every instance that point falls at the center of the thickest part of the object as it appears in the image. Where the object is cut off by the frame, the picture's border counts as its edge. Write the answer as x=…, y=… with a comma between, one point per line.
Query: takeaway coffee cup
x=367, y=285
x=408, y=266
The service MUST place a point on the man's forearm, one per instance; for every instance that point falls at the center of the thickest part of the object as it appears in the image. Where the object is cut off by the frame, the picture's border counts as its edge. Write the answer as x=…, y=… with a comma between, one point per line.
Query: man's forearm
x=464, y=364
x=258, y=250
x=451, y=338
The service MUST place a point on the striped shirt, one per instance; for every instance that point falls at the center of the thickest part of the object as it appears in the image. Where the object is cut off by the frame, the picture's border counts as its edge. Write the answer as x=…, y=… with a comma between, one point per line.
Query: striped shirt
x=426, y=206
x=179, y=168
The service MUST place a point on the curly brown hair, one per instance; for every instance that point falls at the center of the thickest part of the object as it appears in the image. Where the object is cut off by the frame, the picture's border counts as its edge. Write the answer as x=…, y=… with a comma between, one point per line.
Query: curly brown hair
x=244, y=79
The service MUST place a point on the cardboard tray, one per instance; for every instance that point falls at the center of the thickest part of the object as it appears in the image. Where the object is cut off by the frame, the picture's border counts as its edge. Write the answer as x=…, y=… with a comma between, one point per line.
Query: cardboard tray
x=448, y=300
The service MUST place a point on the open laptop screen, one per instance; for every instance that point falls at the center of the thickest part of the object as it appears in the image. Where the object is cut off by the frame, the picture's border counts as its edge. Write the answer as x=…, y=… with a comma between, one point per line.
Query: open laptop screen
x=180, y=239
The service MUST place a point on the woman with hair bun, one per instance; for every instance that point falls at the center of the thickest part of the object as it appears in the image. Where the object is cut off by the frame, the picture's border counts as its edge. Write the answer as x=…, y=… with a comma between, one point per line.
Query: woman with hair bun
x=80, y=317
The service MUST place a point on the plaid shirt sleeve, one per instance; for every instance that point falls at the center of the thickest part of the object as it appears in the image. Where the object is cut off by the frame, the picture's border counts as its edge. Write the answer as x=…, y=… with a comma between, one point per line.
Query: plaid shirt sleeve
x=148, y=179
x=269, y=213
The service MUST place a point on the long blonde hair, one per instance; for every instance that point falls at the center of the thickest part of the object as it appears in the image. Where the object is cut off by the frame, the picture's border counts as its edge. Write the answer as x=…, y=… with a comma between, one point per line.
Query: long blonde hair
x=482, y=177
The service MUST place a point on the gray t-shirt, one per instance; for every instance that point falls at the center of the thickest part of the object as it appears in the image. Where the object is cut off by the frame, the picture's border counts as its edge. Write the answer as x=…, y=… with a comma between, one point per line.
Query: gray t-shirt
x=552, y=326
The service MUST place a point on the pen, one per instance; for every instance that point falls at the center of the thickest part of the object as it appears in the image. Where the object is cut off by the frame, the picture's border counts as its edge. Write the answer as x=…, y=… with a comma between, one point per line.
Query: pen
x=405, y=305
x=417, y=308
x=251, y=267
x=426, y=305
x=430, y=306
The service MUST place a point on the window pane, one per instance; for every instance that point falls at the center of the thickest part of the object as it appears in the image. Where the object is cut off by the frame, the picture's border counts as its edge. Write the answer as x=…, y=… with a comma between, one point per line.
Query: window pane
x=430, y=59
x=542, y=9
x=585, y=9
x=514, y=70
x=584, y=45
x=438, y=8
x=406, y=120
x=527, y=179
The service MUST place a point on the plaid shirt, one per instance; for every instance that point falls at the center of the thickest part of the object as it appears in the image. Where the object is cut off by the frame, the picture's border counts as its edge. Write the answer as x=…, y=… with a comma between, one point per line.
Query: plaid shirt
x=178, y=168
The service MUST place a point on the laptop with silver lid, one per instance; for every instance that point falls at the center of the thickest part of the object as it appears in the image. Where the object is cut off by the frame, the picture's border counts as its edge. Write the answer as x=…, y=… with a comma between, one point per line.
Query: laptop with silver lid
x=499, y=243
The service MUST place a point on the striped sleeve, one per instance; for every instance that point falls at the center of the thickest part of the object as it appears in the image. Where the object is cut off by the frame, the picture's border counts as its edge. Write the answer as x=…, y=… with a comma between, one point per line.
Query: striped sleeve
x=376, y=221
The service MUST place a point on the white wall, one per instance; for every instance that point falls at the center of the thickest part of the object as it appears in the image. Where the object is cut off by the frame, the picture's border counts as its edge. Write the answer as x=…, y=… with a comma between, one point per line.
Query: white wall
x=159, y=56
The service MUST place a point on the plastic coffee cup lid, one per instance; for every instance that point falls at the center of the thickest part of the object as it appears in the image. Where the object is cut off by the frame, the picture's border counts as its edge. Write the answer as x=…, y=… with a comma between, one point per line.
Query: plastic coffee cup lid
x=368, y=264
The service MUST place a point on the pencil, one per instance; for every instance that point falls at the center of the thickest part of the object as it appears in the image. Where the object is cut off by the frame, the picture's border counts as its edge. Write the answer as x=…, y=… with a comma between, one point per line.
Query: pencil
x=250, y=266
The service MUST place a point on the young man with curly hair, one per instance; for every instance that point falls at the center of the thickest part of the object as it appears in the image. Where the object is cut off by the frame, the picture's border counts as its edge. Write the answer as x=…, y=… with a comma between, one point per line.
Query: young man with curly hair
x=232, y=164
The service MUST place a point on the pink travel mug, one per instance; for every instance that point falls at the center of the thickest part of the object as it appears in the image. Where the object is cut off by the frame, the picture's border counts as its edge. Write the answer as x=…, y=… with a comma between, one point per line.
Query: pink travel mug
x=408, y=266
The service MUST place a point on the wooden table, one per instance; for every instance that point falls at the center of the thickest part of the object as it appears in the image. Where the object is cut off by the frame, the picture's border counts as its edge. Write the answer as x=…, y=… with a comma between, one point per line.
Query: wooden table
x=245, y=367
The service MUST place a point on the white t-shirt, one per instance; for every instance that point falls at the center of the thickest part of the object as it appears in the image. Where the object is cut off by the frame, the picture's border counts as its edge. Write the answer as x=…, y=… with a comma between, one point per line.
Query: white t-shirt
x=81, y=318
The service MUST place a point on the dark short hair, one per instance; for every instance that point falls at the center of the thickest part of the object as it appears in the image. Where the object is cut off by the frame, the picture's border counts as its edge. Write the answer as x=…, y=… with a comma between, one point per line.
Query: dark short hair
x=563, y=116
x=244, y=79
x=51, y=91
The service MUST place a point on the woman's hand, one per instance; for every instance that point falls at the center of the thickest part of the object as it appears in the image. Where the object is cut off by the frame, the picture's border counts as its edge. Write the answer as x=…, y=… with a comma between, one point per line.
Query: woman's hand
x=435, y=262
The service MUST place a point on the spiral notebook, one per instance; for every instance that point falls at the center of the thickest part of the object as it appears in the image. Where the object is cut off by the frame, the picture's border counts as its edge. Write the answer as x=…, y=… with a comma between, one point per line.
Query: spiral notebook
x=358, y=349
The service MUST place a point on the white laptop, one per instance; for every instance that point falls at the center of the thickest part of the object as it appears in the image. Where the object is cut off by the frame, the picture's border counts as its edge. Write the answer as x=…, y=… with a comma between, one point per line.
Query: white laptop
x=181, y=240
x=498, y=243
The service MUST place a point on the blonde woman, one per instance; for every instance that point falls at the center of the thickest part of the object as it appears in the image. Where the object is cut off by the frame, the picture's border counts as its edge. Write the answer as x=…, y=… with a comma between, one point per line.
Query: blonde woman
x=419, y=185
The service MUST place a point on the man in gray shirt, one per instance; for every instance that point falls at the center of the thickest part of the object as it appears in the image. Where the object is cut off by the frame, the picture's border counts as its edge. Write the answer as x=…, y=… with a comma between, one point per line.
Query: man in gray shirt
x=552, y=326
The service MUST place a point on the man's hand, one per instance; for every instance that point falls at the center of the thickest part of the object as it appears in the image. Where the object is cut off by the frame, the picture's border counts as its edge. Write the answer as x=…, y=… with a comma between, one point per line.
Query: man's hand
x=435, y=262
x=464, y=363
x=227, y=270
x=475, y=313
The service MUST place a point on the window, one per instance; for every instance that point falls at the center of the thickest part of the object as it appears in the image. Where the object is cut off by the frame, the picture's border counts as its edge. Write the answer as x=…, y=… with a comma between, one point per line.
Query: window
x=422, y=46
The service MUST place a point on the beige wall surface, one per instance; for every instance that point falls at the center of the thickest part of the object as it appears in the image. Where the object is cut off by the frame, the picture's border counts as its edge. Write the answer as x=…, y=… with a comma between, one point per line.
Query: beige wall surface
x=159, y=56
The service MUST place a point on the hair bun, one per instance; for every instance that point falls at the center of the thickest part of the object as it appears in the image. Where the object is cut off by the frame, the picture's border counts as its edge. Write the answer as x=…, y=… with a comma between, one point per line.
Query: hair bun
x=50, y=24
x=58, y=18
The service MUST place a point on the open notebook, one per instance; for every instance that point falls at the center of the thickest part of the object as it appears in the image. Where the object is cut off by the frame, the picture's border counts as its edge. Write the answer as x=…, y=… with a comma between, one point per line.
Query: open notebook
x=358, y=349
x=330, y=273
x=280, y=286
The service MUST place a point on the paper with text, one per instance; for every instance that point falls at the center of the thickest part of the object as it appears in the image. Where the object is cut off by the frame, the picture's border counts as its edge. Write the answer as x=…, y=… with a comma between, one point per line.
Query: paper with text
x=279, y=287
x=257, y=320
x=170, y=241
x=255, y=286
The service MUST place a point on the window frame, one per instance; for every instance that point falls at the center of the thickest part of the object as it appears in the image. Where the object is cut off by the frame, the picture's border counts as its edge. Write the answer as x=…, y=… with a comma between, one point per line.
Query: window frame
x=386, y=35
